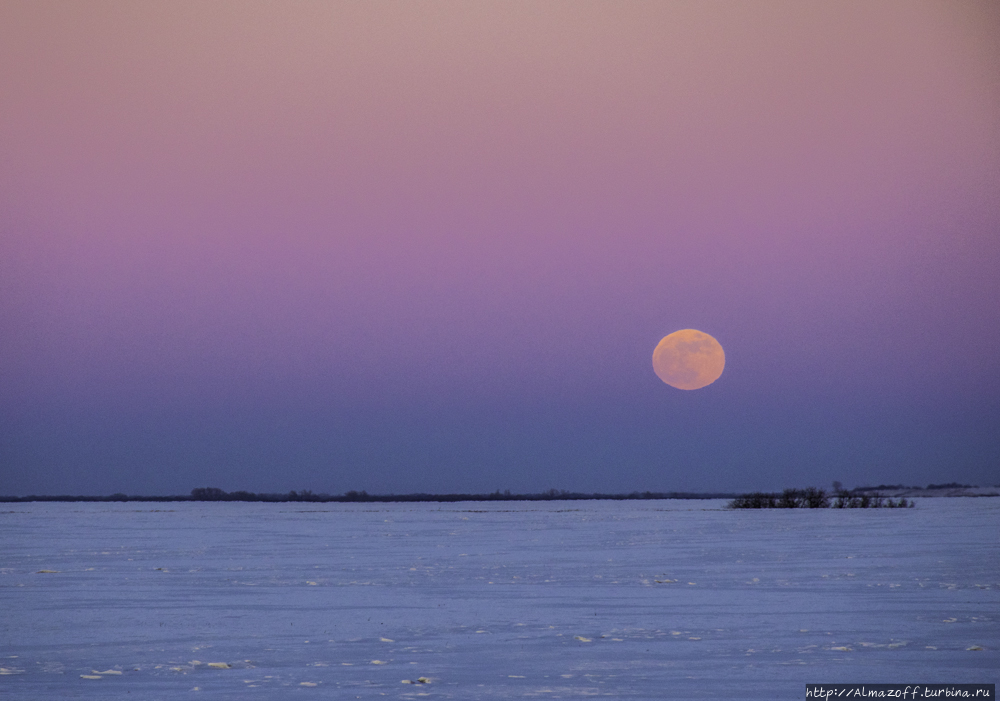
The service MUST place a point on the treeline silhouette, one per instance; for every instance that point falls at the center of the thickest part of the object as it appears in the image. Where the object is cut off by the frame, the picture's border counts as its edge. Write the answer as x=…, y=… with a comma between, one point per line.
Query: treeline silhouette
x=216, y=494
x=813, y=498
x=949, y=485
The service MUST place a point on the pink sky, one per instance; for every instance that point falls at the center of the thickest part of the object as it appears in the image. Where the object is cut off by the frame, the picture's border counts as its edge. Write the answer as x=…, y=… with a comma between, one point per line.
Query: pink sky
x=435, y=209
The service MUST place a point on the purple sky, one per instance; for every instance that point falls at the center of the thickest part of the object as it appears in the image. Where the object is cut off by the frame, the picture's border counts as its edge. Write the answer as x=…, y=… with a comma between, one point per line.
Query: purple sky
x=431, y=246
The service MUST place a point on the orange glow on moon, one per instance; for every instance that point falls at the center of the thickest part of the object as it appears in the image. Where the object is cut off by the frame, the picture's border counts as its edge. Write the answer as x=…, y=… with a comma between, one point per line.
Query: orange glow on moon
x=688, y=359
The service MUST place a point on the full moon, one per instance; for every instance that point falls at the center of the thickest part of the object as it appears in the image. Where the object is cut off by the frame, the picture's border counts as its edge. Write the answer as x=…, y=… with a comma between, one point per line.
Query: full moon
x=688, y=359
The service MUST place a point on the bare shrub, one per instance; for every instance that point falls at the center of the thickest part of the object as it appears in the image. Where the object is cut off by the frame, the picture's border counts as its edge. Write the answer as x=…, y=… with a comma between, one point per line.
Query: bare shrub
x=754, y=500
x=790, y=499
x=815, y=498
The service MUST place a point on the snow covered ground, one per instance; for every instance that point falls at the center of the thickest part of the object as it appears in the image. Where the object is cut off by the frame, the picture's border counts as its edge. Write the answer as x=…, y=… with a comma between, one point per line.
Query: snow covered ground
x=639, y=599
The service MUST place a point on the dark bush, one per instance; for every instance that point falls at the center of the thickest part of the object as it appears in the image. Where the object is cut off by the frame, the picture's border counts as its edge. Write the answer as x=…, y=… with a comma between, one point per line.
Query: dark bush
x=815, y=498
x=754, y=500
x=208, y=494
x=790, y=499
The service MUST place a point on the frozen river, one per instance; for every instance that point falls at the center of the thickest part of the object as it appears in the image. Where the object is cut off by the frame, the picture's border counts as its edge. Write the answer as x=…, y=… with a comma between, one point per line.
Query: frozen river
x=639, y=599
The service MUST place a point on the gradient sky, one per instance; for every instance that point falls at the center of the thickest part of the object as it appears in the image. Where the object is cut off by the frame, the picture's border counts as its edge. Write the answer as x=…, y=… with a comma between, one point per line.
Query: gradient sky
x=430, y=246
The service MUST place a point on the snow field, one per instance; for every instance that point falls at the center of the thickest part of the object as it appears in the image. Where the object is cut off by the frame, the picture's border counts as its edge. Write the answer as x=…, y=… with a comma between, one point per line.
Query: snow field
x=637, y=599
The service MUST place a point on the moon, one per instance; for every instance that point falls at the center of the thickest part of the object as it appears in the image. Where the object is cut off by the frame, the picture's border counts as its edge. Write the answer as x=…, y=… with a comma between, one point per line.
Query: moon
x=688, y=359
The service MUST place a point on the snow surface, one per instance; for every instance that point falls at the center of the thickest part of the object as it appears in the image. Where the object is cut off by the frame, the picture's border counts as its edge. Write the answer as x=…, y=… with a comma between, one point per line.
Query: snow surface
x=638, y=599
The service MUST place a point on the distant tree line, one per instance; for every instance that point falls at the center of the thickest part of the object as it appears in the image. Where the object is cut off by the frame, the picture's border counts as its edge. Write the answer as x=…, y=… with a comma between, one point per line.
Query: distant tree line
x=888, y=487
x=813, y=498
x=809, y=498
x=216, y=494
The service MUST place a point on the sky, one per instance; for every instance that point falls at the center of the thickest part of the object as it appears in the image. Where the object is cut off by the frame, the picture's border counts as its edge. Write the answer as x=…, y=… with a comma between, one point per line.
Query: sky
x=430, y=246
